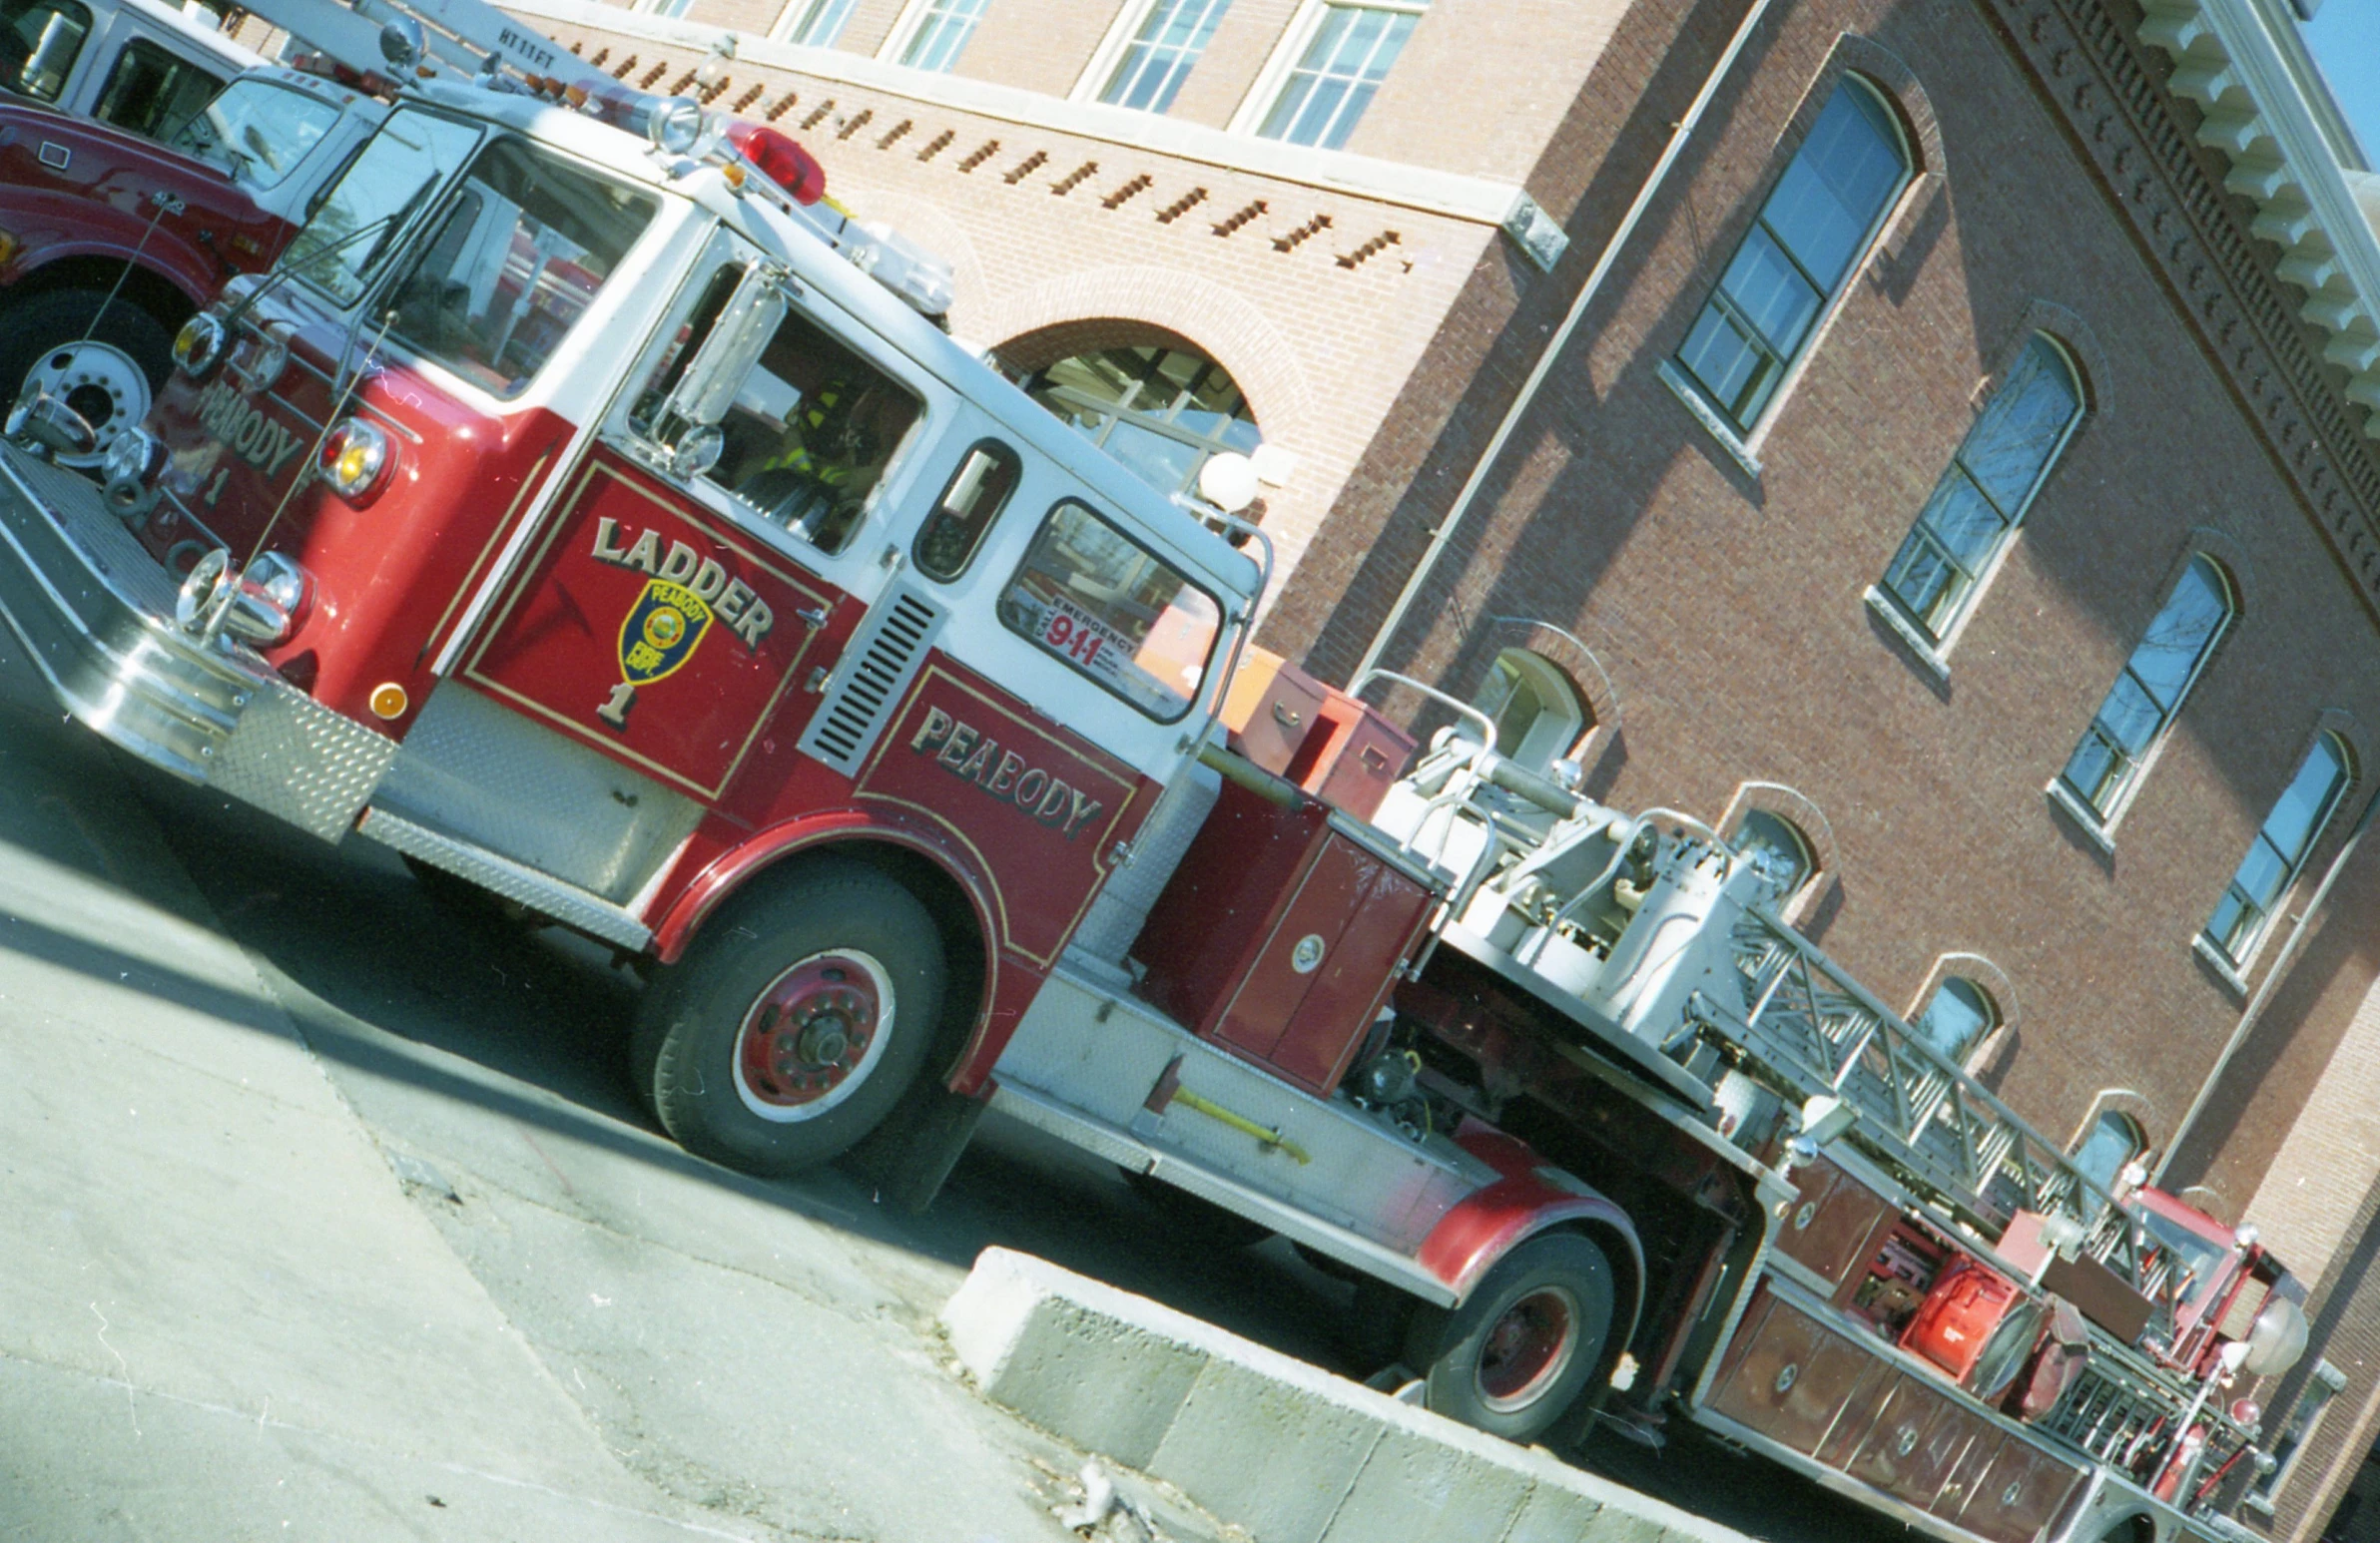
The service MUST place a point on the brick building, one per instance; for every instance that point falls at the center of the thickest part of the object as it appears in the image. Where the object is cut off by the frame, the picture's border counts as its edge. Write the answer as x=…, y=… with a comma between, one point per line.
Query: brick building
x=1294, y=191
x=1961, y=479
x=1946, y=459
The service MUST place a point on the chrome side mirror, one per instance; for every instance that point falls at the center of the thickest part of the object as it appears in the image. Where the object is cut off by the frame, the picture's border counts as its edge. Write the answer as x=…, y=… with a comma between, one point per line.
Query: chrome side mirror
x=403, y=44
x=689, y=420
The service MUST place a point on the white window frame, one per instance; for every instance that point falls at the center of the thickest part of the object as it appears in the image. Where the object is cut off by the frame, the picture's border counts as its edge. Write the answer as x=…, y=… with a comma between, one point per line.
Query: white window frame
x=1994, y=1016
x=1273, y=79
x=2349, y=773
x=904, y=31
x=2101, y=827
x=2263, y=1495
x=1112, y=43
x=1743, y=446
x=783, y=30
x=1938, y=649
x=1110, y=53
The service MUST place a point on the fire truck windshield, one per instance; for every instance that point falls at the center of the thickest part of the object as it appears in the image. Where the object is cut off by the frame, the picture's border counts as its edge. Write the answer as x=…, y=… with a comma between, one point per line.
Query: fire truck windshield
x=256, y=130
x=1113, y=610
x=397, y=172
x=524, y=246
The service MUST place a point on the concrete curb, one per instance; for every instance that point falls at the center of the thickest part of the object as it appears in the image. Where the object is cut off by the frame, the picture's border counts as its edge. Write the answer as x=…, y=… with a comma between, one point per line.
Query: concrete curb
x=1284, y=1449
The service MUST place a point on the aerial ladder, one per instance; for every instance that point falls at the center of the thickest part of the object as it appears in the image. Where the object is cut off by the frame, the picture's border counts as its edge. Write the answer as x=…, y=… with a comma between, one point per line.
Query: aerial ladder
x=1666, y=945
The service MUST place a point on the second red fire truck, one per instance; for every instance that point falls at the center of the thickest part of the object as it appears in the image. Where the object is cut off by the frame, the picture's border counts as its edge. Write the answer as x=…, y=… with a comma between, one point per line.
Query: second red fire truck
x=584, y=510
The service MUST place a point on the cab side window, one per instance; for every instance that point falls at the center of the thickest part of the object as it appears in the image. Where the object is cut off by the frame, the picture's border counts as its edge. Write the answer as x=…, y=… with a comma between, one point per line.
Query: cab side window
x=39, y=43
x=810, y=434
x=1113, y=610
x=153, y=93
x=977, y=491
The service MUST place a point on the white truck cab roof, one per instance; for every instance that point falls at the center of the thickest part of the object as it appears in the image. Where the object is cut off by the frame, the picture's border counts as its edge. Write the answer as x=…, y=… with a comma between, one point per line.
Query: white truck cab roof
x=137, y=64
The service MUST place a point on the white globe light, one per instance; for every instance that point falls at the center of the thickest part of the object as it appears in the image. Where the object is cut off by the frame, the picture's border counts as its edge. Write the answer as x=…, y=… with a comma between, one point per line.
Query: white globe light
x=1228, y=481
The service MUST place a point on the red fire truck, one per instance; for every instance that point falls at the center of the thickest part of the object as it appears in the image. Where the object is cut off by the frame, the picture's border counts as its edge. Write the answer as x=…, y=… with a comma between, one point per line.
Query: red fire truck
x=583, y=512
x=109, y=242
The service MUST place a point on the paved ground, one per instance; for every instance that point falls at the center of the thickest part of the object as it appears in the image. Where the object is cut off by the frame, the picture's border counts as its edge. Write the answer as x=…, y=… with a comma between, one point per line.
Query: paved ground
x=265, y=1108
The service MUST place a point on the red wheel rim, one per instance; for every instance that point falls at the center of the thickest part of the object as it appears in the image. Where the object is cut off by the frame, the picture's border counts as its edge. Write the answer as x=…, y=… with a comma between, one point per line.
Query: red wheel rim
x=812, y=1037
x=1527, y=1349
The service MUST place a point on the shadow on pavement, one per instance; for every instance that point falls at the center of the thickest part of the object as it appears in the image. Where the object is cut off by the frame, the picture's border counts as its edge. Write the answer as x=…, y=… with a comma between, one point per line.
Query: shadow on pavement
x=393, y=984
x=547, y=1013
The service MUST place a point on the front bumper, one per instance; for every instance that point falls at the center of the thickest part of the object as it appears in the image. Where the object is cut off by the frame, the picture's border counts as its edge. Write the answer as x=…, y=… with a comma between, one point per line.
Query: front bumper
x=95, y=613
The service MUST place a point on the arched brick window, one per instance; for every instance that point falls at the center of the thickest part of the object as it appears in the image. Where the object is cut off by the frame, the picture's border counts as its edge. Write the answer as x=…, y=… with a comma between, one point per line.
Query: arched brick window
x=2149, y=689
x=1983, y=494
x=2114, y=1139
x=2279, y=850
x=1805, y=243
x=1957, y=1017
x=1537, y=711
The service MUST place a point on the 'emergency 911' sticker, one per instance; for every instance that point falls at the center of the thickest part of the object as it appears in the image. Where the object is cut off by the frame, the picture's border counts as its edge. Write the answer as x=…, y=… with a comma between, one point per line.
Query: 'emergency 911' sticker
x=1113, y=610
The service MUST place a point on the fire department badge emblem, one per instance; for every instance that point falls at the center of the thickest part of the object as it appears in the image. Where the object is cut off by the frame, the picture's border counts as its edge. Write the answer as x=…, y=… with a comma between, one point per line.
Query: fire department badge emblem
x=661, y=631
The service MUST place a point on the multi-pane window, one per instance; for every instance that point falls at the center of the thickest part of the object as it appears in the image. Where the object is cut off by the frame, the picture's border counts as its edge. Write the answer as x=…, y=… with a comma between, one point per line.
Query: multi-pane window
x=2279, y=850
x=1162, y=412
x=1985, y=490
x=671, y=7
x=1159, y=57
x=1343, y=66
x=942, y=33
x=1771, y=841
x=817, y=21
x=1803, y=245
x=1538, y=713
x=2327, y=1382
x=2148, y=689
x=1957, y=1018
x=2115, y=1140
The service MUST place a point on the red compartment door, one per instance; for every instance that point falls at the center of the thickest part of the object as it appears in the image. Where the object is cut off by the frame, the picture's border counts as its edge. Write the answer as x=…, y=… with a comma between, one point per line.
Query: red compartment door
x=1328, y=963
x=1792, y=1379
x=648, y=626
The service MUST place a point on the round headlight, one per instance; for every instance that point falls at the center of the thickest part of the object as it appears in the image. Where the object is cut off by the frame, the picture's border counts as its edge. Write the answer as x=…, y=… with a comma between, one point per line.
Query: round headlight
x=357, y=459
x=132, y=458
x=199, y=344
x=674, y=124
x=206, y=590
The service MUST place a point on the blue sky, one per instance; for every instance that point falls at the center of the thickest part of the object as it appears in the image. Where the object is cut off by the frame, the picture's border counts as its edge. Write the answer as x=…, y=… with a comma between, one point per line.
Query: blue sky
x=2346, y=38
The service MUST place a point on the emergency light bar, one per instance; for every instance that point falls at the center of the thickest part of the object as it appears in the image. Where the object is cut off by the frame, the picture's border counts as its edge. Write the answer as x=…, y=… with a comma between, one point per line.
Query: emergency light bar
x=396, y=40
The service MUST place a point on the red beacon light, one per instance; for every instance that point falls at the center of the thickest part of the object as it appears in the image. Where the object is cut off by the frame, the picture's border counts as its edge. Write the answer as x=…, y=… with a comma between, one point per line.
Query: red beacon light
x=776, y=155
x=312, y=61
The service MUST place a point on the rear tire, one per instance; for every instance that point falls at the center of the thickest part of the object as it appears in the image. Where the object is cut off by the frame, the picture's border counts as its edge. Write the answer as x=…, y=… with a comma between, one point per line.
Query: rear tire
x=795, y=1022
x=1518, y=1353
x=110, y=379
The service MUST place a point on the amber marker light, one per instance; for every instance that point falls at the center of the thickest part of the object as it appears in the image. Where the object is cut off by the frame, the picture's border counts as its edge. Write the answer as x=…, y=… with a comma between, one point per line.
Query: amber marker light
x=388, y=701
x=357, y=459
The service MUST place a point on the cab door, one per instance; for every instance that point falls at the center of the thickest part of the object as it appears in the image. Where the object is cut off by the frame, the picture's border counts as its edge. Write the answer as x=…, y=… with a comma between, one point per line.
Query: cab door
x=710, y=553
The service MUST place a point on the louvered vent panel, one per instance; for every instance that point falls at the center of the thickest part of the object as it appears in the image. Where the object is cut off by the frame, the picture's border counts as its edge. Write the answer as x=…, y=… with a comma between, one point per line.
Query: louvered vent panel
x=885, y=657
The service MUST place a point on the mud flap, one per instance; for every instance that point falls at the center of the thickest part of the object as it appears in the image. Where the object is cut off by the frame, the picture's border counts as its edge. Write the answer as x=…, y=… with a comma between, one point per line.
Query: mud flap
x=909, y=1155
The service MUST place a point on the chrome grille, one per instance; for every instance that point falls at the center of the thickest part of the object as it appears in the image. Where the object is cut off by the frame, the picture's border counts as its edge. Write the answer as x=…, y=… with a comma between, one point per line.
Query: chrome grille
x=883, y=658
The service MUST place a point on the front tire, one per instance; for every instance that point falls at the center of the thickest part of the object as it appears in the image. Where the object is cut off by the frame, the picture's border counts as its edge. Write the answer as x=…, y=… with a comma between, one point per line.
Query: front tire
x=796, y=1021
x=109, y=373
x=1517, y=1353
